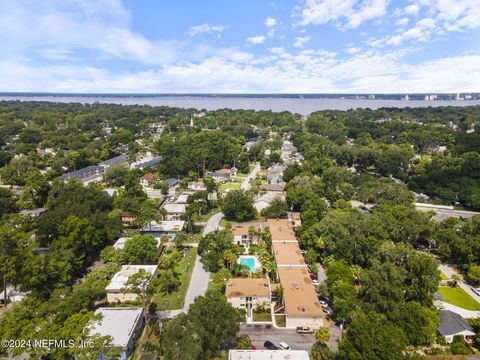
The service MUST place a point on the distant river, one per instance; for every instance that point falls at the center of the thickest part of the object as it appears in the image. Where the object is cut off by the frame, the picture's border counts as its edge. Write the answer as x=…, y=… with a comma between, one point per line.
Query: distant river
x=303, y=106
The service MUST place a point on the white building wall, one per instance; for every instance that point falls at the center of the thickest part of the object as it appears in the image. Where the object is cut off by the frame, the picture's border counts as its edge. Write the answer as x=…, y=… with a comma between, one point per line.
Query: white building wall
x=312, y=322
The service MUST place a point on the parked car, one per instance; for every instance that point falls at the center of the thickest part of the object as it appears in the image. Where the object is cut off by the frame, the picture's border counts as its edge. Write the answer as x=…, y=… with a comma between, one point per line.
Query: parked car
x=304, y=330
x=323, y=304
x=476, y=290
x=313, y=277
x=315, y=282
x=284, y=346
x=269, y=345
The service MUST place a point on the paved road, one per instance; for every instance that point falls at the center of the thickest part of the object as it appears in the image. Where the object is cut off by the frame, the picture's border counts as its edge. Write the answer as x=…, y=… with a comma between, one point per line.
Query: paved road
x=246, y=183
x=449, y=270
x=200, y=277
x=258, y=334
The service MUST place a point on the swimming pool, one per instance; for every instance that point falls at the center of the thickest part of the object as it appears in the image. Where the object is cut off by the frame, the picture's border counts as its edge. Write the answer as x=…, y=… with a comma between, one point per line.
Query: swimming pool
x=249, y=261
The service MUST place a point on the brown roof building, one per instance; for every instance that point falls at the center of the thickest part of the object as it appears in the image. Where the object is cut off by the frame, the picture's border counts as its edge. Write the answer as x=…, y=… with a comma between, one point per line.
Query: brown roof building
x=244, y=287
x=302, y=307
x=299, y=294
x=287, y=254
x=281, y=230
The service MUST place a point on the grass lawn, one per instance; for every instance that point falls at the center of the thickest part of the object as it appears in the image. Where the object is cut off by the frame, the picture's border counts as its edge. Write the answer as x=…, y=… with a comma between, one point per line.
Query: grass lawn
x=262, y=316
x=175, y=300
x=230, y=186
x=225, y=222
x=280, y=320
x=458, y=297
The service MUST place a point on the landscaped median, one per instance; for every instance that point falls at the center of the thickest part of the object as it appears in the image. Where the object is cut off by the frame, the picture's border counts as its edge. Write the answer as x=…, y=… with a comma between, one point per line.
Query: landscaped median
x=458, y=297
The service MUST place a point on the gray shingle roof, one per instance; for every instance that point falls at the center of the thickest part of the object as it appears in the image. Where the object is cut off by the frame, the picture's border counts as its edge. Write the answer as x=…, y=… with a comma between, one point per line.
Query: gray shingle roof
x=83, y=173
x=452, y=323
x=115, y=160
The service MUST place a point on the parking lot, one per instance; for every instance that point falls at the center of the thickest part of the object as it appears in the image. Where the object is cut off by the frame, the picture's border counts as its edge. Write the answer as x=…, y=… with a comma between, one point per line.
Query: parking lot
x=258, y=334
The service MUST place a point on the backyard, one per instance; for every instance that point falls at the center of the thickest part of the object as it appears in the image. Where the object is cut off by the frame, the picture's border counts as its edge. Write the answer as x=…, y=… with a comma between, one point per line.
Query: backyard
x=175, y=299
x=458, y=297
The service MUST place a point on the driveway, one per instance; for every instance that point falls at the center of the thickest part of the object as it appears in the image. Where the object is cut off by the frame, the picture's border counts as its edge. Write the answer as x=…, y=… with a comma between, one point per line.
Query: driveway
x=449, y=270
x=258, y=334
x=246, y=185
x=200, y=277
x=466, y=314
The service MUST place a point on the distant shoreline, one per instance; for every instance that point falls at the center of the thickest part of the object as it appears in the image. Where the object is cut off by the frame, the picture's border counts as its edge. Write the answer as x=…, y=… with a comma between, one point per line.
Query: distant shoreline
x=295, y=103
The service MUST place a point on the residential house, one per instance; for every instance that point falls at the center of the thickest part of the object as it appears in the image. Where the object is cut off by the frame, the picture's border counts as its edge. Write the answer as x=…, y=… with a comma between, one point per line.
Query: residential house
x=268, y=355
x=148, y=179
x=248, y=293
x=275, y=174
x=452, y=324
x=266, y=199
x=171, y=182
x=273, y=187
x=182, y=199
x=294, y=218
x=161, y=228
x=123, y=324
x=196, y=186
x=128, y=219
x=33, y=212
x=116, y=291
x=174, y=211
x=223, y=175
x=120, y=243
x=242, y=234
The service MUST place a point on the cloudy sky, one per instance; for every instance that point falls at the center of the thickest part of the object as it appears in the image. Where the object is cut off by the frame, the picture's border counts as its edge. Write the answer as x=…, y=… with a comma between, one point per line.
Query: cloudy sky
x=239, y=46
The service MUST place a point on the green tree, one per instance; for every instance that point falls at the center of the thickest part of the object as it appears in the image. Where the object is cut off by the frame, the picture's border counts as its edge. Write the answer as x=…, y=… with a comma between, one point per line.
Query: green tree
x=277, y=209
x=212, y=247
x=238, y=206
x=140, y=249
x=370, y=337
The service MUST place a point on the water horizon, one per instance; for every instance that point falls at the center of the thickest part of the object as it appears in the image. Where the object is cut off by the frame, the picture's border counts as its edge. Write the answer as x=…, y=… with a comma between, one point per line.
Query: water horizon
x=303, y=104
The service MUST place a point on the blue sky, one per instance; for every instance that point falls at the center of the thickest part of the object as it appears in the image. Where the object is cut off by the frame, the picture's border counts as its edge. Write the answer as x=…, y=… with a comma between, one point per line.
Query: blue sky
x=238, y=46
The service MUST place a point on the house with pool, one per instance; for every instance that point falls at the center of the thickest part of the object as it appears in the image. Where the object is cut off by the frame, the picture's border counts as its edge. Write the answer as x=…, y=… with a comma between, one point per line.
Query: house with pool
x=251, y=261
x=248, y=293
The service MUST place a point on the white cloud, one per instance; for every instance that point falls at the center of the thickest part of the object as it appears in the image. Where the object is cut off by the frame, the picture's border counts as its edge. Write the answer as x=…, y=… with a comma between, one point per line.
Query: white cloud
x=412, y=9
x=206, y=28
x=255, y=40
x=353, y=50
x=403, y=21
x=308, y=71
x=301, y=41
x=271, y=22
x=344, y=13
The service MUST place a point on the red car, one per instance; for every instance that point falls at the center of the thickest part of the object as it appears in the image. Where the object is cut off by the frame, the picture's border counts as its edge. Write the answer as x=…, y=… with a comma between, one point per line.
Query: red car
x=253, y=347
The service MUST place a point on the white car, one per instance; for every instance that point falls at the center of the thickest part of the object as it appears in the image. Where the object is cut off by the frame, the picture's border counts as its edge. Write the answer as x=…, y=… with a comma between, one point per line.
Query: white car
x=476, y=291
x=315, y=282
x=323, y=304
x=284, y=346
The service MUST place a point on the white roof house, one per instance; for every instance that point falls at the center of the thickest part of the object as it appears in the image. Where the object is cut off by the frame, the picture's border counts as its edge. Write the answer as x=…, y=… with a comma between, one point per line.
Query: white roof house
x=120, y=243
x=182, y=199
x=268, y=355
x=122, y=324
x=120, y=278
x=115, y=289
x=264, y=201
x=175, y=208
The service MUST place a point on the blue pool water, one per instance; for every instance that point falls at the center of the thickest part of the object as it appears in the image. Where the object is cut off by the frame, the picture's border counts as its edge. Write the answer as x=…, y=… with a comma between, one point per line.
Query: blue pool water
x=250, y=262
